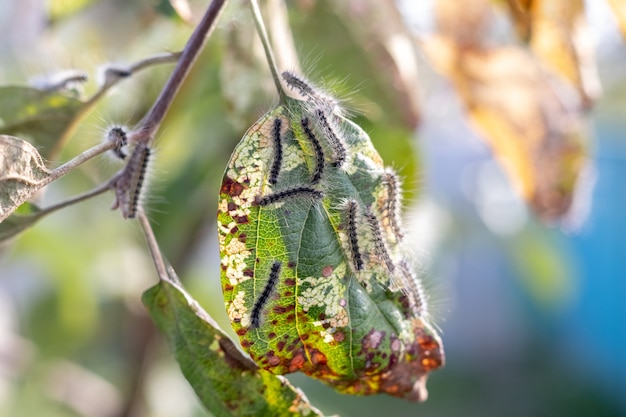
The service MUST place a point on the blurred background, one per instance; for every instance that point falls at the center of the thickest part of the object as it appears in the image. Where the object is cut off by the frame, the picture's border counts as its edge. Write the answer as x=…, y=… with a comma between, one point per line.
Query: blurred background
x=532, y=306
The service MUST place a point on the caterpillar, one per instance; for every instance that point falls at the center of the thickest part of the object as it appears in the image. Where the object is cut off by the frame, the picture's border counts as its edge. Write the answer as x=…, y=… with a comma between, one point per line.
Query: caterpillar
x=139, y=158
x=319, y=153
x=353, y=241
x=380, y=246
x=336, y=144
x=290, y=193
x=412, y=287
x=255, y=315
x=117, y=135
x=299, y=84
x=278, y=152
x=392, y=202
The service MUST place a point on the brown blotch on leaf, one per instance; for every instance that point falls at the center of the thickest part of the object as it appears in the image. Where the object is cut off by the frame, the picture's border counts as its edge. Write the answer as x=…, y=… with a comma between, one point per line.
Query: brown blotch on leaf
x=274, y=360
x=318, y=358
x=241, y=219
x=231, y=187
x=290, y=282
x=297, y=362
x=373, y=339
x=339, y=336
x=279, y=309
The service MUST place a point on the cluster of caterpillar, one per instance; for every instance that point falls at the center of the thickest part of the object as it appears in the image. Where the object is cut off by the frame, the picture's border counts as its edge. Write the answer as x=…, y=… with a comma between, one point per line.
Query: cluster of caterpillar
x=130, y=185
x=324, y=110
x=320, y=118
x=366, y=239
x=372, y=234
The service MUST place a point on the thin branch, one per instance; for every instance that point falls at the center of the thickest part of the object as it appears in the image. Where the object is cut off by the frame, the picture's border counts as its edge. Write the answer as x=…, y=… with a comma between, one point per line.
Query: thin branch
x=155, y=60
x=112, y=77
x=23, y=221
x=143, y=136
x=74, y=200
x=269, y=54
x=153, y=119
x=157, y=258
x=73, y=163
x=115, y=74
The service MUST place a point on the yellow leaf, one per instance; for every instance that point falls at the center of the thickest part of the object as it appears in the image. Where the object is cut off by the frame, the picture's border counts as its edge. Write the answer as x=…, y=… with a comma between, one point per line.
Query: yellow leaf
x=530, y=118
x=619, y=8
x=560, y=38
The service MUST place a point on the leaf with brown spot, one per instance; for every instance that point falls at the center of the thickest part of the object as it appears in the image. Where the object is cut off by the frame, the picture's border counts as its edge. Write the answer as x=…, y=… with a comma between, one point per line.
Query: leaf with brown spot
x=226, y=381
x=321, y=303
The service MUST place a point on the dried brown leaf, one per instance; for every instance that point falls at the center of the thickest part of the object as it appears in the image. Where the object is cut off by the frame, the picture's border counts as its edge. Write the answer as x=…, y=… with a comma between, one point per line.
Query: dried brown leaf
x=560, y=39
x=22, y=173
x=531, y=118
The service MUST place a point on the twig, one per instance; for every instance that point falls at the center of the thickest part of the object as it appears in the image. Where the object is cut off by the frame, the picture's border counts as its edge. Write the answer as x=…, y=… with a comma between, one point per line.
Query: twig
x=112, y=78
x=155, y=60
x=73, y=163
x=74, y=200
x=152, y=121
x=269, y=55
x=157, y=258
x=115, y=74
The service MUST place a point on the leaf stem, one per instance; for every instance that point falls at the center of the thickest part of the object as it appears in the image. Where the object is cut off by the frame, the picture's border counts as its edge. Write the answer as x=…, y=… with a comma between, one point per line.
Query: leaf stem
x=152, y=121
x=24, y=221
x=112, y=77
x=74, y=200
x=115, y=74
x=73, y=163
x=269, y=54
x=157, y=257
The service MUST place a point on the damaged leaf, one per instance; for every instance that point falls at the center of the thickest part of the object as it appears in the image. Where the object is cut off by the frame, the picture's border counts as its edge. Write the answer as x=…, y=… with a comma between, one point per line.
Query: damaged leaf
x=22, y=173
x=314, y=269
x=228, y=383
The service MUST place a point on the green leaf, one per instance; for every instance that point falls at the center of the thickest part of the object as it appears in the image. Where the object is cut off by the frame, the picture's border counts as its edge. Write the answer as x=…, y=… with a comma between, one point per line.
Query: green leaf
x=40, y=116
x=315, y=272
x=227, y=382
x=22, y=173
x=26, y=215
